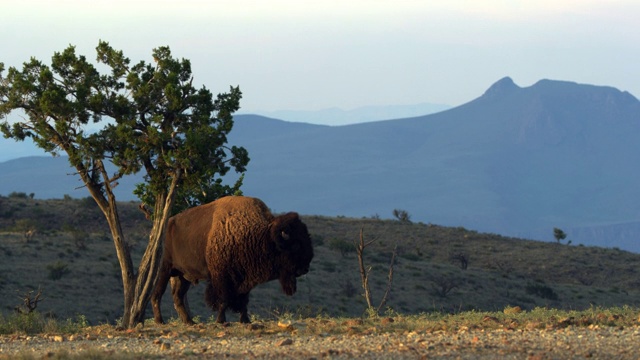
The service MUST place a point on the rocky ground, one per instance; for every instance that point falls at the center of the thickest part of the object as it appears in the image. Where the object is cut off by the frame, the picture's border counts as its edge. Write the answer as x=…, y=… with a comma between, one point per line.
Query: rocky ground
x=205, y=341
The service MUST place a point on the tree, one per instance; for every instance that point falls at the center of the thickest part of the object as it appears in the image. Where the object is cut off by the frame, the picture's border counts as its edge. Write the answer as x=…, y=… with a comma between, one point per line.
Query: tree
x=156, y=122
x=402, y=215
x=559, y=235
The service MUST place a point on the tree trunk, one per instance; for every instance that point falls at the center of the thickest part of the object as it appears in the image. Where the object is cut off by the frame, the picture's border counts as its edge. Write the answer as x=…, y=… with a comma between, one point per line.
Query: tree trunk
x=150, y=262
x=137, y=287
x=109, y=208
x=124, y=258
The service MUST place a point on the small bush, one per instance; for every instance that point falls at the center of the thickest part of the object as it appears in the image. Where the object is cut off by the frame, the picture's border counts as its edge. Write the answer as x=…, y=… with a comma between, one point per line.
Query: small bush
x=402, y=215
x=542, y=291
x=328, y=266
x=342, y=246
x=411, y=256
x=29, y=323
x=317, y=240
x=35, y=323
x=57, y=270
x=348, y=289
x=18, y=195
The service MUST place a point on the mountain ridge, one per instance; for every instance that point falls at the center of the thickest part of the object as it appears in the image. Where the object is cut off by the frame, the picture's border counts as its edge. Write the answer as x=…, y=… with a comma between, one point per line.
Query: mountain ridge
x=340, y=117
x=516, y=161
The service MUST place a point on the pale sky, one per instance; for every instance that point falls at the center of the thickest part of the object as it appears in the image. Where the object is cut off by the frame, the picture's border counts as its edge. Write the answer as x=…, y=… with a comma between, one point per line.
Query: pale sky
x=303, y=55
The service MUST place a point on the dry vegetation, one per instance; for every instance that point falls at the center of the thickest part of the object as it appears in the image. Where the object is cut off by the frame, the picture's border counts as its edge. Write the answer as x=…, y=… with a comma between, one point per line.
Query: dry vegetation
x=438, y=270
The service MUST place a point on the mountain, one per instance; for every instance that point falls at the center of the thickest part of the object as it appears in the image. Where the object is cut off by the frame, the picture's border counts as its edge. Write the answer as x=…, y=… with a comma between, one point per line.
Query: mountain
x=515, y=161
x=337, y=116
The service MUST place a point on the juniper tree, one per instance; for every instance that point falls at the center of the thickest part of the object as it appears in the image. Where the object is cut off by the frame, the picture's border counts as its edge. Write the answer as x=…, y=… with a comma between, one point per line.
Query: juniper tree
x=559, y=234
x=153, y=120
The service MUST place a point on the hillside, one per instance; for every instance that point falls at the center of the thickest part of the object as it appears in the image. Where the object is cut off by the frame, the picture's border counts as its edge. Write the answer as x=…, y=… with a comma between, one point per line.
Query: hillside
x=72, y=242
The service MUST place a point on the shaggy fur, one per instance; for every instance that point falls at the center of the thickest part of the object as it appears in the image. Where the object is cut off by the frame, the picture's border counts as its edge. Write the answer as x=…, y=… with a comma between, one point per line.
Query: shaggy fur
x=234, y=243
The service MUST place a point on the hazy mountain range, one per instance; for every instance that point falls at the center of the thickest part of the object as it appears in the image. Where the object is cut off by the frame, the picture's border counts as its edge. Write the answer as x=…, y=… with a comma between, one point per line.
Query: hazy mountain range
x=515, y=161
x=337, y=116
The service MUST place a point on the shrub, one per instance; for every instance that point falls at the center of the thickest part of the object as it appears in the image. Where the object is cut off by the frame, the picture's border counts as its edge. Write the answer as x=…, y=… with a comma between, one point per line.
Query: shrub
x=30, y=323
x=317, y=240
x=57, y=270
x=411, y=256
x=348, y=289
x=342, y=246
x=401, y=215
x=34, y=323
x=443, y=285
x=18, y=195
x=542, y=291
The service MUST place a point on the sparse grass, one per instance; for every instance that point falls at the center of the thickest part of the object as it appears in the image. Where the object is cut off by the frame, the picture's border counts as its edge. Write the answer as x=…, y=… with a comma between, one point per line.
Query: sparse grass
x=501, y=272
x=299, y=323
x=93, y=354
x=36, y=323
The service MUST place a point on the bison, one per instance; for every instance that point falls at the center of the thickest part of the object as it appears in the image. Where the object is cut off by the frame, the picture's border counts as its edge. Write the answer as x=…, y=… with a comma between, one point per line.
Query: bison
x=235, y=244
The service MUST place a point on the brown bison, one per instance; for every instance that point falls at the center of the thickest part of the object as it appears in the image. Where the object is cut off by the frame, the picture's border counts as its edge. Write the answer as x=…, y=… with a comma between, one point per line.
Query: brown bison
x=235, y=244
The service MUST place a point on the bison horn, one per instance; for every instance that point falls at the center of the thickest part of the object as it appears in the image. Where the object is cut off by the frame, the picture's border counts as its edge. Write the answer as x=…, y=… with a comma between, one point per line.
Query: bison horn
x=285, y=236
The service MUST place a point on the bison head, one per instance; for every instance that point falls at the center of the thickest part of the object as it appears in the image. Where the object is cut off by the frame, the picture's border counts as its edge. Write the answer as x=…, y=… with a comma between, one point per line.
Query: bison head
x=293, y=242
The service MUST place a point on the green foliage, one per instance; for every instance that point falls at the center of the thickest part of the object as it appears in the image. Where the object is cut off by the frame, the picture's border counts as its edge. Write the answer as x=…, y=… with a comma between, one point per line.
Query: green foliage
x=29, y=323
x=156, y=121
x=371, y=313
x=559, y=234
x=36, y=323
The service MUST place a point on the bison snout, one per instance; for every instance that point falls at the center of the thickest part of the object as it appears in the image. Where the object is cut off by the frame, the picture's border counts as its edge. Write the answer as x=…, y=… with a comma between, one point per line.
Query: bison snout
x=302, y=271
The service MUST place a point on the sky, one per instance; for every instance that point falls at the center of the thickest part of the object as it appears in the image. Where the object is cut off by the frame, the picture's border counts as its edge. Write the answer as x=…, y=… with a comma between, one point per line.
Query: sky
x=300, y=55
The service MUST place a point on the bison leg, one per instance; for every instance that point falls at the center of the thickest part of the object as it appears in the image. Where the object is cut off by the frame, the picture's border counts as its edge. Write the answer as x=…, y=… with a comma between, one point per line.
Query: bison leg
x=179, y=288
x=222, y=317
x=240, y=306
x=221, y=293
x=158, y=291
x=216, y=302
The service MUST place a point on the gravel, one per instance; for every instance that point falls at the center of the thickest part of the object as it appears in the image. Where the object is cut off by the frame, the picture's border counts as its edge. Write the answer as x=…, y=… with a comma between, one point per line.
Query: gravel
x=567, y=343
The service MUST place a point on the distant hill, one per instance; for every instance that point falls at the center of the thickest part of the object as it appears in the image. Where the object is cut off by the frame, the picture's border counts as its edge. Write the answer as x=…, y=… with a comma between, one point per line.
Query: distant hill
x=337, y=116
x=515, y=161
x=52, y=178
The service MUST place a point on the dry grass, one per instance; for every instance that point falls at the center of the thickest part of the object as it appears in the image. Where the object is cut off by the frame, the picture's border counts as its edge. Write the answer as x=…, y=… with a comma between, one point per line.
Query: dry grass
x=510, y=318
x=73, y=240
